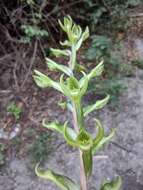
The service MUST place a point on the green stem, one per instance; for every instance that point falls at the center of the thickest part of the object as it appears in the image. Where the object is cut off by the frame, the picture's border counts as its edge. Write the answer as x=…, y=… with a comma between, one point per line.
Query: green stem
x=78, y=122
x=83, y=180
x=73, y=57
x=79, y=113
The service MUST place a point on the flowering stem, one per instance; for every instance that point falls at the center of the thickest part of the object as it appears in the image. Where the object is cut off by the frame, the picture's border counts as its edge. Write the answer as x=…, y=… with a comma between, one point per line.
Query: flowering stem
x=83, y=180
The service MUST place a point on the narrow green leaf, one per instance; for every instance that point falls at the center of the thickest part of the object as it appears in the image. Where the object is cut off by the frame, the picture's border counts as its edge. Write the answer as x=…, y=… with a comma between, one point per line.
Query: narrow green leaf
x=97, y=71
x=70, y=136
x=66, y=43
x=41, y=79
x=64, y=87
x=53, y=126
x=101, y=103
x=44, y=81
x=79, y=67
x=86, y=33
x=113, y=185
x=83, y=37
x=83, y=85
x=98, y=105
x=100, y=133
x=87, y=161
x=103, y=141
x=78, y=45
x=61, y=181
x=53, y=65
x=68, y=132
x=59, y=52
x=61, y=25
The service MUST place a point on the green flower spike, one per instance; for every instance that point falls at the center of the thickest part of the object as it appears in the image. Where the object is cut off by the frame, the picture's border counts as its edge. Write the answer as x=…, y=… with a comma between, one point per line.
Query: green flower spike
x=74, y=89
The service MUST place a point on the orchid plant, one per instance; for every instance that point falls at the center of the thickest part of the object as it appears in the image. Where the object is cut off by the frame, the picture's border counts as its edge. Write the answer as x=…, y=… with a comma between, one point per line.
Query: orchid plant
x=74, y=88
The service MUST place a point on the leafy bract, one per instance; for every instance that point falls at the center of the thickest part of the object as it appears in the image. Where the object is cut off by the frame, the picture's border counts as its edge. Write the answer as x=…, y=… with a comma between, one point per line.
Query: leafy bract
x=83, y=85
x=97, y=71
x=59, y=52
x=83, y=37
x=53, y=126
x=70, y=136
x=53, y=65
x=61, y=181
x=61, y=129
x=104, y=140
x=87, y=161
x=112, y=185
x=44, y=81
x=98, y=105
x=100, y=132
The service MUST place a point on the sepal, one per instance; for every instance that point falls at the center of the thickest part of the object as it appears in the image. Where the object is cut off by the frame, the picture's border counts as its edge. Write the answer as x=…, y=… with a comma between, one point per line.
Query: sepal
x=84, y=140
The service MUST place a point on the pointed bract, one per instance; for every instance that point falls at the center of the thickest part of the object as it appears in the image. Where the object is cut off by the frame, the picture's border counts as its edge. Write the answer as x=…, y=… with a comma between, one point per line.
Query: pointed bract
x=102, y=142
x=63, y=182
x=98, y=105
x=59, y=53
x=87, y=161
x=97, y=71
x=44, y=81
x=113, y=185
x=53, y=65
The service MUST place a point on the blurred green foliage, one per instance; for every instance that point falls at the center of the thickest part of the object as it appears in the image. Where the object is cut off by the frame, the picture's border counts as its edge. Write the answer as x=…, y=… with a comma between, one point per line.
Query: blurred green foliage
x=41, y=148
x=138, y=63
x=106, y=48
x=14, y=109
